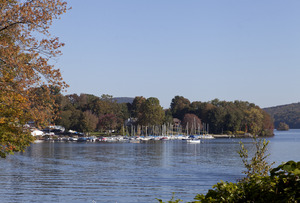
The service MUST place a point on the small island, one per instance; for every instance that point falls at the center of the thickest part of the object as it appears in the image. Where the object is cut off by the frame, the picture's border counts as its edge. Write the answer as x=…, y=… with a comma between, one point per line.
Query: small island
x=283, y=127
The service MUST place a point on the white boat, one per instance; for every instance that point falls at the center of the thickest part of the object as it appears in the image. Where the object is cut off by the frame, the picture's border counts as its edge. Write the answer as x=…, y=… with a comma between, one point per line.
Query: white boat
x=73, y=139
x=145, y=138
x=195, y=141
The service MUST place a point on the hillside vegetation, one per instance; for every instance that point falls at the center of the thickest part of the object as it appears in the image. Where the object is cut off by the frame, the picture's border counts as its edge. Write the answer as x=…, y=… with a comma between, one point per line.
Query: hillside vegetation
x=289, y=114
x=89, y=113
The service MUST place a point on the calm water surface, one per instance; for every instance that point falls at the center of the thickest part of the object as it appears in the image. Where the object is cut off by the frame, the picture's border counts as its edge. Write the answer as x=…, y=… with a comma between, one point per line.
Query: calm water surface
x=128, y=172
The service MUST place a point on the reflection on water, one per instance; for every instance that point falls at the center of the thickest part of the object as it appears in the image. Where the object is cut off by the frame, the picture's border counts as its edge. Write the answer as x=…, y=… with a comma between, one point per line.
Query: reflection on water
x=127, y=172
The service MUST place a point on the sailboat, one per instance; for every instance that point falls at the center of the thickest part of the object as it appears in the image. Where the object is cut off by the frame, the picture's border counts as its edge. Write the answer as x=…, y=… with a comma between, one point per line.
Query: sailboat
x=193, y=139
x=206, y=134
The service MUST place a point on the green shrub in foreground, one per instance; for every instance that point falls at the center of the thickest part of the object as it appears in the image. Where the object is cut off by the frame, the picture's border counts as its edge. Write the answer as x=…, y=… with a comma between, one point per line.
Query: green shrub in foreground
x=283, y=185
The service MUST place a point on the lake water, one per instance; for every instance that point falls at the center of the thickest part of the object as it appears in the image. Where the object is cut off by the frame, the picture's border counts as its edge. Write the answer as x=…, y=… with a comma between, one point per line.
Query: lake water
x=128, y=172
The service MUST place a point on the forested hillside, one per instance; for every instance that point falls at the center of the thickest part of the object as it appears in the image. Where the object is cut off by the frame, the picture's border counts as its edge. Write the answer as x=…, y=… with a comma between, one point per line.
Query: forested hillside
x=289, y=114
x=88, y=113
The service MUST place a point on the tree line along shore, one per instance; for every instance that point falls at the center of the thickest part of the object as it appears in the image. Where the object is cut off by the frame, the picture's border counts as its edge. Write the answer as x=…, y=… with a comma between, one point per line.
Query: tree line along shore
x=103, y=115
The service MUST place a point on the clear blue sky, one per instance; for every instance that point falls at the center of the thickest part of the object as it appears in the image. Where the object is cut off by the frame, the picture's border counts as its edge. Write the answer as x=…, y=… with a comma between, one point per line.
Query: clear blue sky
x=201, y=49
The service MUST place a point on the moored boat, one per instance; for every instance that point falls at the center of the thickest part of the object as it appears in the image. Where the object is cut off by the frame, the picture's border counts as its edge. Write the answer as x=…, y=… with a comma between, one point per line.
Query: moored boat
x=196, y=141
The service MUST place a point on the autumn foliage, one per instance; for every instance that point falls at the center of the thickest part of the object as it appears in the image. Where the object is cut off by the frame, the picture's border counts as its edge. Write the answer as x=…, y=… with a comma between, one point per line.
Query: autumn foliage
x=27, y=77
x=191, y=122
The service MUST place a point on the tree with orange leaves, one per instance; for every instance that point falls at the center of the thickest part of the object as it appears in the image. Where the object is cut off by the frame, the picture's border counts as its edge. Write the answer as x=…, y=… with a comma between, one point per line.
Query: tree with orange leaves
x=27, y=77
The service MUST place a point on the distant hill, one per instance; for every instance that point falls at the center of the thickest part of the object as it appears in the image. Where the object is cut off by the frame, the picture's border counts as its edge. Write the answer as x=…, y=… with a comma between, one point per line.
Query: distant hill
x=289, y=114
x=123, y=99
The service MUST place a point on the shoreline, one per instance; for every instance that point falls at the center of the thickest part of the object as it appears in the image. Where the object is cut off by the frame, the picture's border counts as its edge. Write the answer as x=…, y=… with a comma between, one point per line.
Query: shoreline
x=120, y=138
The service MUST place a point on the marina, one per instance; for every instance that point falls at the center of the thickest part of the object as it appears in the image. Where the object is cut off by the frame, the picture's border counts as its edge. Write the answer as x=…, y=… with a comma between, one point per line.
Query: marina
x=132, y=139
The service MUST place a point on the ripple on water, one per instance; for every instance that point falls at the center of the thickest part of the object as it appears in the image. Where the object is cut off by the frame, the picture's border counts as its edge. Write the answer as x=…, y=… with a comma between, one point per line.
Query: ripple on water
x=125, y=172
